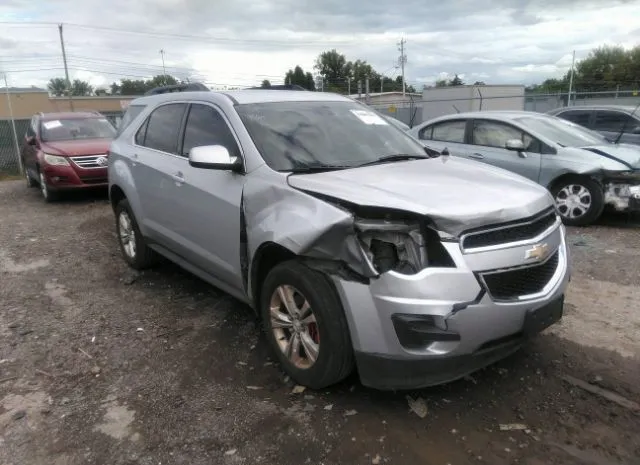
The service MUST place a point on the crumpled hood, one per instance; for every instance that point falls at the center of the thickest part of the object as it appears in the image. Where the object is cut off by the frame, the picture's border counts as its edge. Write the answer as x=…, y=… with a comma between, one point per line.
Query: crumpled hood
x=622, y=153
x=456, y=194
x=72, y=148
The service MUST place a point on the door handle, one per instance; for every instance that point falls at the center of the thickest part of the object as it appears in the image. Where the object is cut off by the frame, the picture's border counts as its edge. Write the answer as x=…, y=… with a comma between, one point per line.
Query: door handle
x=178, y=177
x=477, y=156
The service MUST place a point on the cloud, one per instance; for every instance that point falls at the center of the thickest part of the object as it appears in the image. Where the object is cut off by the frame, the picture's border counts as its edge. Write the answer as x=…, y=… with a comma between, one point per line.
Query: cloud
x=242, y=42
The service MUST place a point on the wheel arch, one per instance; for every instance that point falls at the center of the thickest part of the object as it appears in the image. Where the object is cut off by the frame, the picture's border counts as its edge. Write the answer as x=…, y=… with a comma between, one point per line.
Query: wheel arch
x=267, y=256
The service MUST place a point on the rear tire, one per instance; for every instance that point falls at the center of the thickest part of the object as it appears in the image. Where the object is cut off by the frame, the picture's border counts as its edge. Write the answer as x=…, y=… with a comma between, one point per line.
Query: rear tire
x=133, y=246
x=579, y=200
x=324, y=354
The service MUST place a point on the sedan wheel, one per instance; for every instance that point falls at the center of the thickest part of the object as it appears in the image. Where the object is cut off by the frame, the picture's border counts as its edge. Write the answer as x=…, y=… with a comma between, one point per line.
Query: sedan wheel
x=47, y=195
x=579, y=200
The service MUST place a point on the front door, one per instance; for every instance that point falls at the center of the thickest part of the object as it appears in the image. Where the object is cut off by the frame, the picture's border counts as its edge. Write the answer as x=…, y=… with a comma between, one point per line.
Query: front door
x=207, y=202
x=489, y=139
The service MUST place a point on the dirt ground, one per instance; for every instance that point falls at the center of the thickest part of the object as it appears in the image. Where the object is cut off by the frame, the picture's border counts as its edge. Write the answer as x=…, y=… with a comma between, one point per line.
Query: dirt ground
x=100, y=365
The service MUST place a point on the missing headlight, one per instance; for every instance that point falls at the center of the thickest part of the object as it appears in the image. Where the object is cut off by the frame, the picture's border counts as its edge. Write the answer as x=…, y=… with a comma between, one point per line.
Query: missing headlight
x=405, y=247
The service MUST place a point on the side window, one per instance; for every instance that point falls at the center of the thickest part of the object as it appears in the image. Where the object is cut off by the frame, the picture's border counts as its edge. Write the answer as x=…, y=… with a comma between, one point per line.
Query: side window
x=31, y=129
x=425, y=133
x=132, y=112
x=206, y=126
x=577, y=117
x=612, y=121
x=449, y=131
x=162, y=128
x=142, y=132
x=496, y=134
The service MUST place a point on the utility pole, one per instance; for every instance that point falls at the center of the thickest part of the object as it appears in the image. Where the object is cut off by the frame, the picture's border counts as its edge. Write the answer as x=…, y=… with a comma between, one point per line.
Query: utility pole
x=349, y=86
x=403, y=61
x=573, y=60
x=13, y=125
x=66, y=69
x=164, y=71
x=366, y=90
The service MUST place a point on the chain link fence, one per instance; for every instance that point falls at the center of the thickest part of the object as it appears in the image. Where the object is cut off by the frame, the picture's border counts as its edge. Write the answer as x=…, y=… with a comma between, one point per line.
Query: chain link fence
x=9, y=153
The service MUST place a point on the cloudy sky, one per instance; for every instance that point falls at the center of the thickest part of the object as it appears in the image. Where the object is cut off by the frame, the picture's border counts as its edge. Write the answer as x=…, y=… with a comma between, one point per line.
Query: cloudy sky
x=242, y=42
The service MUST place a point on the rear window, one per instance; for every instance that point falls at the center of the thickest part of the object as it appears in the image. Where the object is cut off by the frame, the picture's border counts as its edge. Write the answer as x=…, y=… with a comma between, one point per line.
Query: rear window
x=132, y=113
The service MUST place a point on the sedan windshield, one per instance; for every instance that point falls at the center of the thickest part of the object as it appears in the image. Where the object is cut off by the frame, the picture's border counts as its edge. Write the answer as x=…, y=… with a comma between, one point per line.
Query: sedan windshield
x=562, y=132
x=77, y=128
x=295, y=136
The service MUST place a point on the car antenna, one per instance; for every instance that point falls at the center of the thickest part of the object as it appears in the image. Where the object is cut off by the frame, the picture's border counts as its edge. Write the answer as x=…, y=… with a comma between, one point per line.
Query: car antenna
x=624, y=125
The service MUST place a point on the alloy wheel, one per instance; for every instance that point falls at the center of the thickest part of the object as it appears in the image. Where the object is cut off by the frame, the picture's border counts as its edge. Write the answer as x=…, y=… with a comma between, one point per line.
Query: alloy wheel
x=127, y=234
x=43, y=187
x=294, y=326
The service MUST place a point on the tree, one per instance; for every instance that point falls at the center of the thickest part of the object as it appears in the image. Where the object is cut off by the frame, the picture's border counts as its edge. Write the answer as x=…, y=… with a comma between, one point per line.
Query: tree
x=115, y=88
x=101, y=92
x=265, y=84
x=297, y=76
x=139, y=86
x=57, y=87
x=606, y=68
x=81, y=88
x=479, y=83
x=332, y=66
x=456, y=81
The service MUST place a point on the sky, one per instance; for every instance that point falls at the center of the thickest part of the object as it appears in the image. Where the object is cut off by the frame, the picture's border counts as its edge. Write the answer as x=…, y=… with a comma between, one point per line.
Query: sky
x=242, y=42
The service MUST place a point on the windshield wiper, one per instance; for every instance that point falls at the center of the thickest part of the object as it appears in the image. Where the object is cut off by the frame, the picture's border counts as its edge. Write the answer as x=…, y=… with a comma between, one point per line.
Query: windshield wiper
x=392, y=158
x=316, y=168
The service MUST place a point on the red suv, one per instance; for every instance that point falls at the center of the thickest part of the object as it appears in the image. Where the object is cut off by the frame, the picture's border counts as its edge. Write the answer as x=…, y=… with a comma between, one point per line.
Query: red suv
x=67, y=151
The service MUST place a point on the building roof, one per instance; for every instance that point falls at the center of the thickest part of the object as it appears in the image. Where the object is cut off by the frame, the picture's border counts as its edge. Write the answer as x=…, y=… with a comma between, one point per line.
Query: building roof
x=22, y=90
x=382, y=94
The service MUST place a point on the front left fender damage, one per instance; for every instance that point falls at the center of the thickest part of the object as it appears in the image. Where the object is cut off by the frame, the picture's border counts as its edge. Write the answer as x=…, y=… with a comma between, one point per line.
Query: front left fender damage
x=320, y=232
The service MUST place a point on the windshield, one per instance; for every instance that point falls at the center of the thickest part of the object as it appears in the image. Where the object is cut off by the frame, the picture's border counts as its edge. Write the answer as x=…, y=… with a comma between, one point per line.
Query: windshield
x=80, y=128
x=297, y=135
x=562, y=132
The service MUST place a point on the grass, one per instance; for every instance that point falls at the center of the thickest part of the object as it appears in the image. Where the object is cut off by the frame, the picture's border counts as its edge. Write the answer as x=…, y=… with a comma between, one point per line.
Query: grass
x=9, y=176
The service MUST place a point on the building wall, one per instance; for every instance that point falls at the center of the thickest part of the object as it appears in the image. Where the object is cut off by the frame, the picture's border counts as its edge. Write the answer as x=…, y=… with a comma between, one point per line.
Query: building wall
x=26, y=104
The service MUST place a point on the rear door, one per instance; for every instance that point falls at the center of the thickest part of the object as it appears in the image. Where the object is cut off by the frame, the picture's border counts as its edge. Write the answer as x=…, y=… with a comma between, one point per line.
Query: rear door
x=449, y=134
x=156, y=168
x=489, y=139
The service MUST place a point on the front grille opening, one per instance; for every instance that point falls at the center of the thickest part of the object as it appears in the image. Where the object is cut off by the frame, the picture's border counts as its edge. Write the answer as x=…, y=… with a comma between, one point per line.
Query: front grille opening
x=511, y=284
x=516, y=232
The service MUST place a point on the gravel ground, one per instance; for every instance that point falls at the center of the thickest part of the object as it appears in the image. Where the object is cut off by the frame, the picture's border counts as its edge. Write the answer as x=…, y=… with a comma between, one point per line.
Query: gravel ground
x=100, y=365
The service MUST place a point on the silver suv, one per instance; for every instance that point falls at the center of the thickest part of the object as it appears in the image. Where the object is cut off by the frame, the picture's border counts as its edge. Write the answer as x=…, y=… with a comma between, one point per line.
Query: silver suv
x=354, y=246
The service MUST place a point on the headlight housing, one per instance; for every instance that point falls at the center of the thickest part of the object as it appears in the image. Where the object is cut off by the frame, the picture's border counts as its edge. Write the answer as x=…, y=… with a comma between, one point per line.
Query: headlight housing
x=55, y=160
x=403, y=246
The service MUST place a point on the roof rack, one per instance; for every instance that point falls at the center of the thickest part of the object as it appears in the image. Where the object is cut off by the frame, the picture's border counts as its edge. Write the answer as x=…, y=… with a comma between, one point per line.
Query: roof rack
x=190, y=87
x=281, y=87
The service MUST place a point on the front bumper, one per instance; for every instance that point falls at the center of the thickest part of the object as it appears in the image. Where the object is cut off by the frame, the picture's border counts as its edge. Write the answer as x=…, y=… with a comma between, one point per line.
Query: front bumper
x=63, y=178
x=464, y=328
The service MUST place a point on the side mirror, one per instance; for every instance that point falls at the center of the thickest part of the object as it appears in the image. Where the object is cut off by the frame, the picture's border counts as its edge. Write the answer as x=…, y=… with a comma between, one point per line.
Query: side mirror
x=213, y=157
x=515, y=144
x=31, y=140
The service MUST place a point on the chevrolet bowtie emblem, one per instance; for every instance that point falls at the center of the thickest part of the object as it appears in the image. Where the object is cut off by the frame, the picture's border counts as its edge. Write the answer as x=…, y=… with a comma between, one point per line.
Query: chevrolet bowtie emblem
x=537, y=252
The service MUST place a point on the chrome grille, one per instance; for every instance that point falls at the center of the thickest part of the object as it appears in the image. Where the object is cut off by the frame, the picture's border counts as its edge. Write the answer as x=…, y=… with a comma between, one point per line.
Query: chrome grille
x=511, y=284
x=522, y=230
x=88, y=161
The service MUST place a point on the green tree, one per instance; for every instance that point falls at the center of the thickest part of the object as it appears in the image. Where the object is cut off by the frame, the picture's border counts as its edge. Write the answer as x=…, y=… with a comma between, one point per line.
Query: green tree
x=161, y=80
x=115, y=88
x=332, y=66
x=297, y=76
x=81, y=88
x=57, y=86
x=265, y=84
x=456, y=81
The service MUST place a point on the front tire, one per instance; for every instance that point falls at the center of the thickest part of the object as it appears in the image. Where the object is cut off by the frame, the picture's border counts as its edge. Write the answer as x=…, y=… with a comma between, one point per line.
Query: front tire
x=47, y=194
x=579, y=200
x=30, y=182
x=132, y=244
x=305, y=325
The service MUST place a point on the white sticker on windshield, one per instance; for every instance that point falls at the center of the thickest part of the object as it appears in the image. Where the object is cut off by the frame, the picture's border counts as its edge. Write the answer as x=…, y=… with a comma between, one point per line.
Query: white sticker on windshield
x=52, y=124
x=368, y=117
